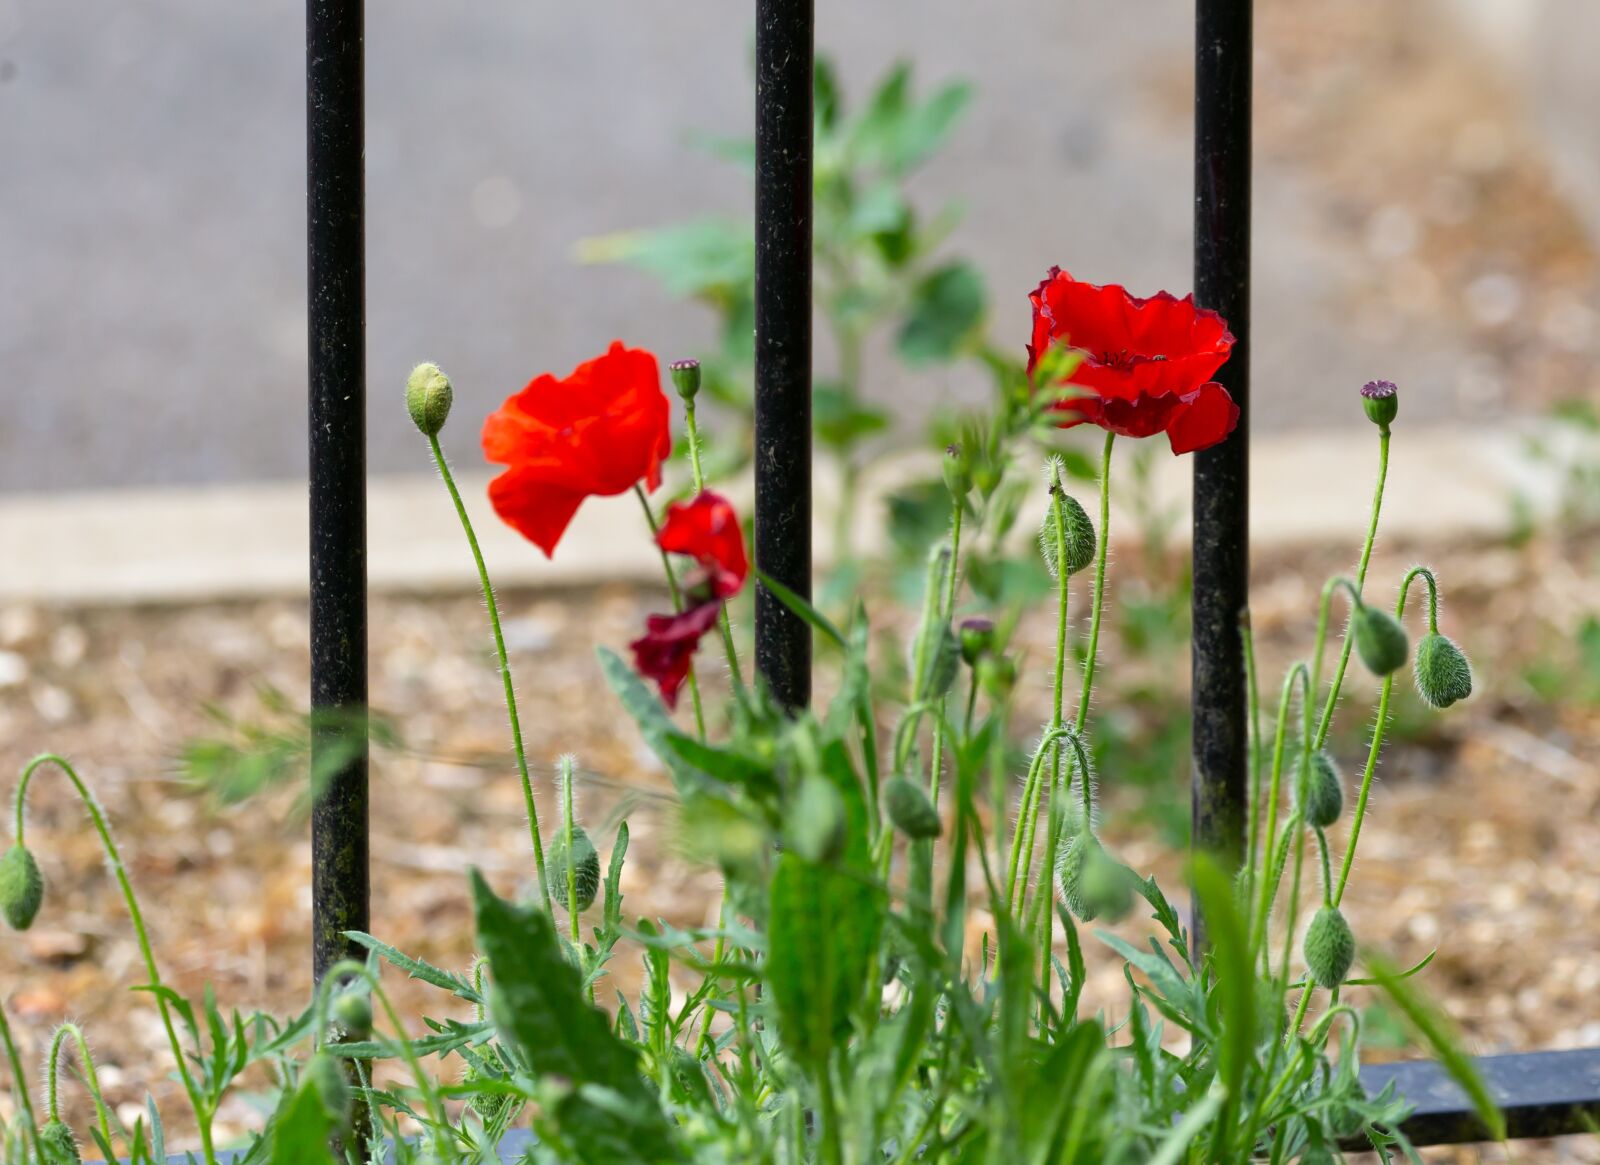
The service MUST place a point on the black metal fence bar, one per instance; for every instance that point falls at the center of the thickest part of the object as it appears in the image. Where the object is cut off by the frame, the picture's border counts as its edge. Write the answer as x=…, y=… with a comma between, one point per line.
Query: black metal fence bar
x=784, y=51
x=1222, y=474
x=336, y=267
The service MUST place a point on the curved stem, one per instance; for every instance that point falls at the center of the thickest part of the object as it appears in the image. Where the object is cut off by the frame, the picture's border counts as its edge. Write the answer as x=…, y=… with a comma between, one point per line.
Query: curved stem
x=1327, y=871
x=91, y=1079
x=1098, y=602
x=1247, y=637
x=946, y=608
x=1361, y=581
x=528, y=803
x=198, y=1103
x=19, y=1078
x=1275, y=785
x=677, y=604
x=692, y=430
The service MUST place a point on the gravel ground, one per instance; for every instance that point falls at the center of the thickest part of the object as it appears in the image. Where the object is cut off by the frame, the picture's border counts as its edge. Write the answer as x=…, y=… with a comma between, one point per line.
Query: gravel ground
x=1483, y=840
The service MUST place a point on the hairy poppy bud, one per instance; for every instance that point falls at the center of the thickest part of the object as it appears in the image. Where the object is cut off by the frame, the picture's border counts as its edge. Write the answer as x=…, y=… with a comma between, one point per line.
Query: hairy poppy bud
x=1381, y=640
x=1090, y=881
x=1330, y=948
x=685, y=378
x=946, y=662
x=584, y=863
x=957, y=471
x=488, y=1105
x=324, y=1075
x=57, y=1143
x=1441, y=671
x=1381, y=399
x=1080, y=537
x=997, y=675
x=21, y=887
x=910, y=810
x=352, y=1010
x=816, y=823
x=428, y=398
x=977, y=639
x=1324, y=791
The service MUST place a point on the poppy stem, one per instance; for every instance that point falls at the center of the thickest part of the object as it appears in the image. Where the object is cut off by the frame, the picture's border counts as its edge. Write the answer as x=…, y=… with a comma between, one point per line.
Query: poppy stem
x=1098, y=602
x=677, y=604
x=528, y=802
x=692, y=429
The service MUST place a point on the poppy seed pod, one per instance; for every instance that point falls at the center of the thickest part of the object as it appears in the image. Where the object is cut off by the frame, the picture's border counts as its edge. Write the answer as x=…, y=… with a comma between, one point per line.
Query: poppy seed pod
x=1381, y=641
x=1442, y=673
x=57, y=1143
x=1324, y=791
x=1080, y=536
x=21, y=887
x=816, y=824
x=428, y=398
x=685, y=378
x=910, y=810
x=585, y=865
x=1330, y=948
x=1381, y=399
x=977, y=639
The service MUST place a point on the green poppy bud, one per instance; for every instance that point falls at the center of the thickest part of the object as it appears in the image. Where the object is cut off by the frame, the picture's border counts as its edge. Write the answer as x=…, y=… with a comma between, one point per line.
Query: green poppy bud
x=1072, y=862
x=977, y=639
x=1381, y=641
x=1080, y=536
x=352, y=1011
x=1105, y=884
x=324, y=1075
x=488, y=1105
x=910, y=810
x=816, y=823
x=584, y=863
x=1330, y=948
x=1324, y=791
x=21, y=887
x=1441, y=671
x=428, y=398
x=957, y=471
x=685, y=378
x=1381, y=400
x=946, y=662
x=997, y=676
x=57, y=1143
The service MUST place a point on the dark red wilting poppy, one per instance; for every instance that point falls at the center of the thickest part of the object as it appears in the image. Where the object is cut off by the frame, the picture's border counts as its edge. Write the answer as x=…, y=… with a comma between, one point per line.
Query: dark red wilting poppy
x=707, y=530
x=596, y=432
x=1145, y=365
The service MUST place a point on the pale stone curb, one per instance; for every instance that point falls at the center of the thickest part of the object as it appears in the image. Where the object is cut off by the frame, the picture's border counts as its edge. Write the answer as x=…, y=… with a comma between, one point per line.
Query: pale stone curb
x=217, y=542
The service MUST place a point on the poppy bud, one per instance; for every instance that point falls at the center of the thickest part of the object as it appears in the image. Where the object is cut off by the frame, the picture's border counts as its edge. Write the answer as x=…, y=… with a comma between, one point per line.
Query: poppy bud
x=1381, y=400
x=1381, y=641
x=57, y=1143
x=585, y=865
x=324, y=1076
x=488, y=1105
x=816, y=821
x=1105, y=885
x=997, y=675
x=685, y=378
x=1324, y=791
x=1330, y=948
x=428, y=398
x=1073, y=878
x=910, y=810
x=21, y=887
x=986, y=475
x=1441, y=671
x=945, y=664
x=977, y=639
x=352, y=1010
x=1080, y=537
x=957, y=471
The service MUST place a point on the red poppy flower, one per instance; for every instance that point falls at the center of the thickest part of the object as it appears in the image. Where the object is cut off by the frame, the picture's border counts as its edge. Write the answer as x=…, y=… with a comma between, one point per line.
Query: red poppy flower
x=664, y=651
x=597, y=432
x=707, y=530
x=1145, y=365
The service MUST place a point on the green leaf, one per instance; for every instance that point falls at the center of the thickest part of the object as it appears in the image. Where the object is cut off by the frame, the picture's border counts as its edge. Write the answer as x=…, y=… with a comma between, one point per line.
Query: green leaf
x=705, y=257
x=1236, y=982
x=1435, y=1029
x=946, y=309
x=801, y=608
x=840, y=419
x=457, y=985
x=654, y=724
x=537, y=1003
x=300, y=1134
x=924, y=129
x=723, y=764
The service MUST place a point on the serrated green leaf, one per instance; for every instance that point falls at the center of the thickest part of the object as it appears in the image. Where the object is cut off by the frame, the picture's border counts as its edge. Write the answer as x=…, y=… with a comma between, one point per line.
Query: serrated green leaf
x=655, y=726
x=457, y=985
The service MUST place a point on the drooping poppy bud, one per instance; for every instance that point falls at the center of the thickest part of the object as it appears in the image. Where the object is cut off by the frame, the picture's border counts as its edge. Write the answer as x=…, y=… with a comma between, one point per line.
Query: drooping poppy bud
x=1080, y=536
x=1105, y=885
x=1441, y=671
x=977, y=639
x=21, y=887
x=685, y=378
x=584, y=863
x=1324, y=791
x=910, y=810
x=58, y=1144
x=352, y=1011
x=1381, y=399
x=1330, y=947
x=945, y=662
x=816, y=824
x=428, y=398
x=1072, y=863
x=1381, y=640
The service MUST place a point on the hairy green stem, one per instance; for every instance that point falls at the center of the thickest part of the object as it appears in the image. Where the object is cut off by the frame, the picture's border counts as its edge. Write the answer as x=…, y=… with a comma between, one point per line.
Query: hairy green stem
x=677, y=603
x=1258, y=930
x=1098, y=602
x=1247, y=636
x=91, y=1079
x=19, y=1078
x=530, y=806
x=946, y=609
x=692, y=430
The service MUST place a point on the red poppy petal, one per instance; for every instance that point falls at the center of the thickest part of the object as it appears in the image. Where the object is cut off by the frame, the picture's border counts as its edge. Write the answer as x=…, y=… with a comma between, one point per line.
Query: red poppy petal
x=1205, y=417
x=707, y=529
x=1143, y=416
x=533, y=507
x=666, y=649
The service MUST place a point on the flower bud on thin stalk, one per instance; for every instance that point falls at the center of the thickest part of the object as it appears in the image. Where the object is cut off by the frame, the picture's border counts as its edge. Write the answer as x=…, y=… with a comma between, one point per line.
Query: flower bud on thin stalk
x=428, y=398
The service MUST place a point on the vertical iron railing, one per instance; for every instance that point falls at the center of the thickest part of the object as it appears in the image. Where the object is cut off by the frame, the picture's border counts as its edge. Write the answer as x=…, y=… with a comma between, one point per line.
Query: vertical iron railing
x=1222, y=474
x=784, y=50
x=337, y=394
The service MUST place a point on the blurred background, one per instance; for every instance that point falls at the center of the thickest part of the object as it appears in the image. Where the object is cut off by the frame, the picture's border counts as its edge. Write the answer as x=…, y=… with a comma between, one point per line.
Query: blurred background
x=1427, y=211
